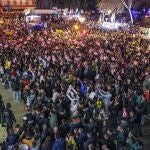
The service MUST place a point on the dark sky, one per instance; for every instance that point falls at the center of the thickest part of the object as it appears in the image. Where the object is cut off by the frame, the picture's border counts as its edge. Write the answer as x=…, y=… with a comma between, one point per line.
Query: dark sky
x=142, y=3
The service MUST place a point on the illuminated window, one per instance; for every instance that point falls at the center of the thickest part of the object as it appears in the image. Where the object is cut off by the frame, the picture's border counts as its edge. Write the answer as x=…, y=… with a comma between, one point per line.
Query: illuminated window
x=24, y=2
x=18, y=2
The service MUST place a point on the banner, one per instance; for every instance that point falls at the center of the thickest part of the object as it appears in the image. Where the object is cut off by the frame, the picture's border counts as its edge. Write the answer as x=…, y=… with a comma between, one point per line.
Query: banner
x=72, y=94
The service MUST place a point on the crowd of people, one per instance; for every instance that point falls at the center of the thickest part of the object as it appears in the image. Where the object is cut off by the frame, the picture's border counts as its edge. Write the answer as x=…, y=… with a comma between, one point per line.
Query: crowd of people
x=83, y=89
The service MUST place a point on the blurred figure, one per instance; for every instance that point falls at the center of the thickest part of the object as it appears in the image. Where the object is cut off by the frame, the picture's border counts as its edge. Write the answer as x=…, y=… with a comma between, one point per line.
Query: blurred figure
x=9, y=117
x=2, y=108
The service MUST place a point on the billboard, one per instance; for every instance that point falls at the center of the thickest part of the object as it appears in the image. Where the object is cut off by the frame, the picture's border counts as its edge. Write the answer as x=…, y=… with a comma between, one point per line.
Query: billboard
x=17, y=3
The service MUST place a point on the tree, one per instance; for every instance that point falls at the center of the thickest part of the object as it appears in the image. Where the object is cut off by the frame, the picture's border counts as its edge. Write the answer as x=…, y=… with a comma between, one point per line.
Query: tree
x=128, y=5
x=110, y=7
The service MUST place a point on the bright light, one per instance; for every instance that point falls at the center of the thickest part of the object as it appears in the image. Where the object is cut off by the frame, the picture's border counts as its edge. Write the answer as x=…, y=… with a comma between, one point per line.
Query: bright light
x=81, y=19
x=1, y=21
x=109, y=11
x=76, y=27
x=99, y=20
x=111, y=25
x=83, y=32
x=76, y=17
x=27, y=11
x=33, y=18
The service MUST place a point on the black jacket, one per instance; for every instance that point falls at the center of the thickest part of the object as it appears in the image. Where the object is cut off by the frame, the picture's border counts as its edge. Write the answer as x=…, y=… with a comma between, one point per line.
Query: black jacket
x=2, y=106
x=9, y=116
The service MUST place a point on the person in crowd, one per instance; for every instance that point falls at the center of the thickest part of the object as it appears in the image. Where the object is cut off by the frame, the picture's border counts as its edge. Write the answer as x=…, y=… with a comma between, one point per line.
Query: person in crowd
x=15, y=85
x=9, y=117
x=132, y=143
x=90, y=140
x=2, y=108
x=11, y=140
x=81, y=138
x=28, y=140
x=82, y=89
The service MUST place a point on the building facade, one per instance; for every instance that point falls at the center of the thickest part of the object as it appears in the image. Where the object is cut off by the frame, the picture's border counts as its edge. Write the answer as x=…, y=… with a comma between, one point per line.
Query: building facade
x=17, y=3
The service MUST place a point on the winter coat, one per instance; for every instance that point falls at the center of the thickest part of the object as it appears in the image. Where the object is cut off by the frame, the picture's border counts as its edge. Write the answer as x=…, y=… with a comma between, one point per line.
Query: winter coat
x=11, y=139
x=133, y=146
x=35, y=148
x=89, y=141
x=81, y=139
x=59, y=144
x=2, y=106
x=53, y=121
x=9, y=116
x=15, y=85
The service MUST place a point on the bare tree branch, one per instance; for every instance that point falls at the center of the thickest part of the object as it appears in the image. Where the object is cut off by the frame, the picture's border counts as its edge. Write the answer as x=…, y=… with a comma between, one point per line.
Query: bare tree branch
x=128, y=6
x=124, y=3
x=113, y=5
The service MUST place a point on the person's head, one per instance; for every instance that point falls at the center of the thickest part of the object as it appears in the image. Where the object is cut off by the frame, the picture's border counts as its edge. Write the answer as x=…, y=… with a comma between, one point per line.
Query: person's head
x=132, y=113
x=32, y=91
x=91, y=146
x=120, y=128
x=48, y=139
x=109, y=131
x=105, y=147
x=106, y=136
x=11, y=131
x=130, y=134
x=42, y=115
x=8, y=105
x=71, y=135
x=104, y=123
x=28, y=109
x=74, y=102
x=16, y=147
x=55, y=129
x=17, y=127
x=89, y=134
x=116, y=100
x=75, y=130
x=28, y=135
x=91, y=120
x=44, y=126
x=80, y=130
